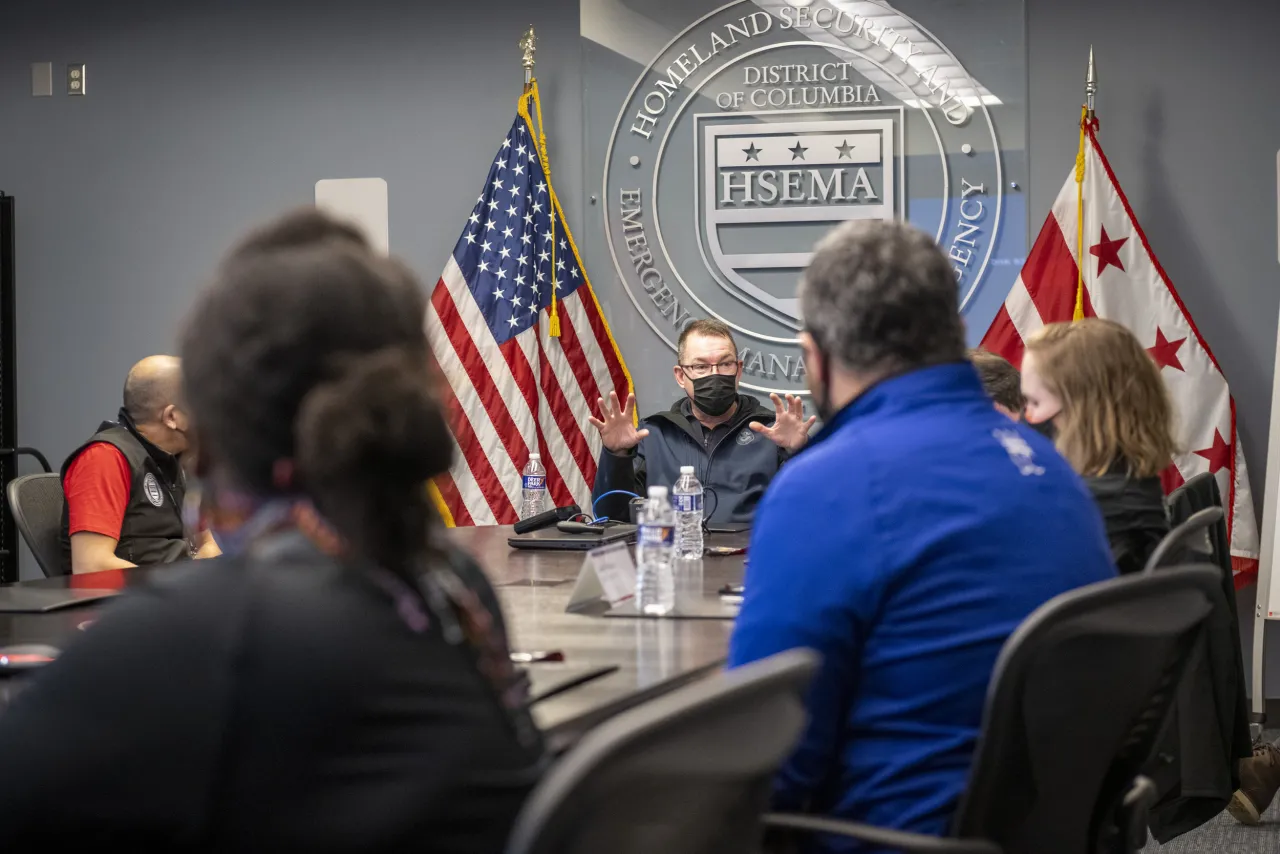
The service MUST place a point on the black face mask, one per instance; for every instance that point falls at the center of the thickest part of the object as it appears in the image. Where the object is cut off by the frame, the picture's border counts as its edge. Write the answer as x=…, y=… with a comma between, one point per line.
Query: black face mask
x=714, y=394
x=1045, y=428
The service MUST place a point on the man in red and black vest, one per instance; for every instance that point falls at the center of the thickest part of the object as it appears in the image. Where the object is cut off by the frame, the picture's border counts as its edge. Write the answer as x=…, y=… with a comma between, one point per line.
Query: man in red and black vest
x=125, y=487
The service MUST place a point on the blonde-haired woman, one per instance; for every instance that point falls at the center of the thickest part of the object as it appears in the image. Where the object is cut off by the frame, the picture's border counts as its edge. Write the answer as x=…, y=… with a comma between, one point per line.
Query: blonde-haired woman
x=1092, y=387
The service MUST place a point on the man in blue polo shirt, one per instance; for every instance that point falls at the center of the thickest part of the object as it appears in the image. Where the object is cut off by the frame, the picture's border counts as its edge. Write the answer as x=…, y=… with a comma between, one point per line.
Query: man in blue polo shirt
x=906, y=542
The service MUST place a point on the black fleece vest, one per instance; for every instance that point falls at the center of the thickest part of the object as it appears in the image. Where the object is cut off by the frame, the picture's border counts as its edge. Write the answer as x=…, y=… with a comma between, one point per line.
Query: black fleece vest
x=152, y=532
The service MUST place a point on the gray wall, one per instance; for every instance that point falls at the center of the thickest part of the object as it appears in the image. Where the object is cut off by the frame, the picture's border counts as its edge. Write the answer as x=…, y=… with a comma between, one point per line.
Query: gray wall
x=202, y=119
x=1190, y=127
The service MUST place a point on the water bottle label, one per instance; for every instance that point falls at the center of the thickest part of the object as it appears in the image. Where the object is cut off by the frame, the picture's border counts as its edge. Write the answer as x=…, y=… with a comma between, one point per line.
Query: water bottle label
x=657, y=535
x=687, y=503
x=535, y=481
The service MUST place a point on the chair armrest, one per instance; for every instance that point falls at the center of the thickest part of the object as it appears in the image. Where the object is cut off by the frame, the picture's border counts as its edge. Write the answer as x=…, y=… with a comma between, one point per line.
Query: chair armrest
x=909, y=843
x=1135, y=811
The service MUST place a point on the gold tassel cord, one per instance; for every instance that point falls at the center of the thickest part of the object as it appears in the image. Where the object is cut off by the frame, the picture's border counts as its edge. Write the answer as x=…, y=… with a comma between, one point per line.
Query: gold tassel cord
x=553, y=322
x=1078, y=314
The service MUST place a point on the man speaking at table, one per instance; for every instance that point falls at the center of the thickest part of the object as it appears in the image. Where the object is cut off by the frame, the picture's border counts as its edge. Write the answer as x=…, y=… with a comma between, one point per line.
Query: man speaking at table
x=734, y=443
x=907, y=542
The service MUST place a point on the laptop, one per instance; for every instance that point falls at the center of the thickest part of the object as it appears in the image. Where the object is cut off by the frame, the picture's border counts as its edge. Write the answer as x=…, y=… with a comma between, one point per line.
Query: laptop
x=553, y=538
x=40, y=600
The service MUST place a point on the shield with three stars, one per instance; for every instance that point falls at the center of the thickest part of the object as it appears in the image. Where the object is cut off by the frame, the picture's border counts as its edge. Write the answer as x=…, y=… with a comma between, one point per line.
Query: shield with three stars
x=770, y=189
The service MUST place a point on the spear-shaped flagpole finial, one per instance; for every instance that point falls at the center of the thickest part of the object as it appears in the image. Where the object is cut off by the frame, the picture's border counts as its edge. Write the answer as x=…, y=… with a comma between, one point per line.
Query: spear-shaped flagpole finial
x=1090, y=85
x=529, y=46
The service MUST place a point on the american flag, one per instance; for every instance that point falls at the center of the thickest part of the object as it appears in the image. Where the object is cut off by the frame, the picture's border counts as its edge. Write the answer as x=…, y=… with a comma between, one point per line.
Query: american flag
x=516, y=388
x=1124, y=282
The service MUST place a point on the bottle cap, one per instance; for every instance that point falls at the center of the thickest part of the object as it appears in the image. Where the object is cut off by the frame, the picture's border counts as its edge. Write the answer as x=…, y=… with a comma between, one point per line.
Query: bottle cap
x=535, y=457
x=657, y=492
x=686, y=469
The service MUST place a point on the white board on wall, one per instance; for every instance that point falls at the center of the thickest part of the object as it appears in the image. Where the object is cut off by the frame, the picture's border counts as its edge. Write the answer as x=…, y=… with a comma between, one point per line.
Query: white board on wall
x=363, y=201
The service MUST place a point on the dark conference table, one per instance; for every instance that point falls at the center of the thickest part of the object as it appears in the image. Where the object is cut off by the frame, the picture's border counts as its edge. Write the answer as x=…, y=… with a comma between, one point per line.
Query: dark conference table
x=652, y=656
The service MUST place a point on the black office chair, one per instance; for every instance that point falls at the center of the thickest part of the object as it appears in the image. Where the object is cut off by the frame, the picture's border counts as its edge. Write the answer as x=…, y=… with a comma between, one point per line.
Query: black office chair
x=1197, y=493
x=687, y=773
x=1208, y=729
x=1077, y=699
x=1187, y=542
x=35, y=500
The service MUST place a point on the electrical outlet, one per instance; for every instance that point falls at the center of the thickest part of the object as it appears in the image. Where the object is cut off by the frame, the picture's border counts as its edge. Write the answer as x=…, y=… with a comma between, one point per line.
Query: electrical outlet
x=75, y=79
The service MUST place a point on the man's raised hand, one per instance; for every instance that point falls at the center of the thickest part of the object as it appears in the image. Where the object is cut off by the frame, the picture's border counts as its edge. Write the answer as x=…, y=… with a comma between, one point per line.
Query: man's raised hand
x=789, y=430
x=617, y=431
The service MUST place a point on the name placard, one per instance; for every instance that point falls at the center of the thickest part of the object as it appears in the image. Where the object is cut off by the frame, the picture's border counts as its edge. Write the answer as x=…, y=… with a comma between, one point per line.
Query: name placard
x=608, y=574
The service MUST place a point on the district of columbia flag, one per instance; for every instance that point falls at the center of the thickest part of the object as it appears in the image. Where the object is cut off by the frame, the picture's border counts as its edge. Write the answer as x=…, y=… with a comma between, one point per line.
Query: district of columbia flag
x=1092, y=237
x=521, y=339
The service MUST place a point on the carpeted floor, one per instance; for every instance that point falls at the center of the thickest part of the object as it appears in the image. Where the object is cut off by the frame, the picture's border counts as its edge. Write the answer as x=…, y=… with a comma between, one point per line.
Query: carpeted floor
x=1225, y=835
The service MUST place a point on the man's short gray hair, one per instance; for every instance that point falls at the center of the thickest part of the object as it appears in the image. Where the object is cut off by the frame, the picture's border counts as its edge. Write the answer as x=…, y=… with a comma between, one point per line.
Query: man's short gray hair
x=880, y=297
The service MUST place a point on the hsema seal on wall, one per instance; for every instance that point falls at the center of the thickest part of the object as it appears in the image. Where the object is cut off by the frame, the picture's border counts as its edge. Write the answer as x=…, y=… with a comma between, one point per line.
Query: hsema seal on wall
x=759, y=128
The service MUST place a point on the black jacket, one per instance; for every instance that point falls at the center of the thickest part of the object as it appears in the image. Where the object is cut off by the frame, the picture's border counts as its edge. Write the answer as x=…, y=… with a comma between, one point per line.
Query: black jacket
x=1133, y=510
x=152, y=531
x=1208, y=729
x=735, y=468
x=264, y=704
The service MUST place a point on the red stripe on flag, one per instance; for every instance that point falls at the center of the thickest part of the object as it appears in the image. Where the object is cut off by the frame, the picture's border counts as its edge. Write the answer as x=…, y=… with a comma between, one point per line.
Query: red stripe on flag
x=453, y=500
x=481, y=380
x=1231, y=497
x=1003, y=338
x=1088, y=305
x=475, y=459
x=576, y=357
x=1171, y=479
x=577, y=361
x=556, y=488
x=1245, y=571
x=1050, y=275
x=483, y=387
x=616, y=373
x=523, y=372
x=558, y=404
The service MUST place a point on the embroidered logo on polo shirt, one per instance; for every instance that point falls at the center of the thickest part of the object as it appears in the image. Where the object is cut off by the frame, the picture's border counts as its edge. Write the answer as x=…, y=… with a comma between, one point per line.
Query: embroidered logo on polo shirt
x=152, y=488
x=1019, y=451
x=746, y=437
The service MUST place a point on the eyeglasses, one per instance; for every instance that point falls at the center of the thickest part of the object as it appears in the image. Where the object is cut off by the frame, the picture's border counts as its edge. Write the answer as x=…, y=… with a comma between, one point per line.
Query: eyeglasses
x=697, y=372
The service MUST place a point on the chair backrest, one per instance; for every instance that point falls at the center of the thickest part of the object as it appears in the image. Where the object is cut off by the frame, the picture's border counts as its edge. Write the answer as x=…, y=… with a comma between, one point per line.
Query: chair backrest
x=687, y=773
x=1188, y=542
x=1199, y=493
x=1077, y=700
x=35, y=500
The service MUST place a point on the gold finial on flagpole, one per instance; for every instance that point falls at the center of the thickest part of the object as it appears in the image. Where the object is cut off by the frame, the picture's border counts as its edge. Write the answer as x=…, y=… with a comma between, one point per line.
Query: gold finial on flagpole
x=1090, y=86
x=528, y=44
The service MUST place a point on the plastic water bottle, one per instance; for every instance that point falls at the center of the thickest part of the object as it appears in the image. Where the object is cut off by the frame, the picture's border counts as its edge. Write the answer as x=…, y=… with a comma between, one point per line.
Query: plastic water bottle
x=533, y=487
x=655, y=581
x=686, y=496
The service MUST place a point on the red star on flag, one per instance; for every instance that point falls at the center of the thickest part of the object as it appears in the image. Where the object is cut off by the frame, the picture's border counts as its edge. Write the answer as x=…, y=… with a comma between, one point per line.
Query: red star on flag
x=1219, y=456
x=1165, y=352
x=1107, y=251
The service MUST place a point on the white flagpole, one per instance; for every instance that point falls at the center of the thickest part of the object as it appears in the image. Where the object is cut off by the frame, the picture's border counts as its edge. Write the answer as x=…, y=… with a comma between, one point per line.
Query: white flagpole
x=1266, y=608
